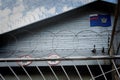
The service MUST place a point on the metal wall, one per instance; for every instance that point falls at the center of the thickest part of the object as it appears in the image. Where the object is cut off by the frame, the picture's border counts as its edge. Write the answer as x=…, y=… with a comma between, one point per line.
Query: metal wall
x=69, y=34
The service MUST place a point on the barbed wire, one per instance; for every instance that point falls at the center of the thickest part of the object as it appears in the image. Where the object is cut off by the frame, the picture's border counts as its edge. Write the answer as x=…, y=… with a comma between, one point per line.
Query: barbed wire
x=54, y=40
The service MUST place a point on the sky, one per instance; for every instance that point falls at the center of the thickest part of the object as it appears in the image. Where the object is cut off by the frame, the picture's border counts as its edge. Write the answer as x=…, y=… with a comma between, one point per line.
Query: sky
x=18, y=13
x=112, y=1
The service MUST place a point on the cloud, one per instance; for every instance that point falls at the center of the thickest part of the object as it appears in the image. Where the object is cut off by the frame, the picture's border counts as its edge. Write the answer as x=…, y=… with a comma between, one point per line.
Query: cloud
x=15, y=19
x=4, y=15
x=19, y=8
x=19, y=2
x=82, y=1
x=5, y=12
x=4, y=25
x=0, y=3
x=30, y=17
x=52, y=10
x=86, y=1
x=41, y=13
x=16, y=10
x=9, y=17
x=17, y=13
x=66, y=8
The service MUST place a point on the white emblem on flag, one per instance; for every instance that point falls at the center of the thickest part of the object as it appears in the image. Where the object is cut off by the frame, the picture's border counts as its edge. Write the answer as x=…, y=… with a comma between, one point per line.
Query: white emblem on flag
x=104, y=20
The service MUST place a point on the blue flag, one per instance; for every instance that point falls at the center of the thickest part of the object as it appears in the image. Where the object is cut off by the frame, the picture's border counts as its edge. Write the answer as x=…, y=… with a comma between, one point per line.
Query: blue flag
x=100, y=20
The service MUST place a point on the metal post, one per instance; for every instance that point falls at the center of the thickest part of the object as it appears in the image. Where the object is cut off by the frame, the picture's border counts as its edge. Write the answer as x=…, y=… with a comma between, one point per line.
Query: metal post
x=26, y=72
x=114, y=26
x=2, y=77
x=61, y=59
x=13, y=72
x=65, y=72
x=40, y=72
x=110, y=50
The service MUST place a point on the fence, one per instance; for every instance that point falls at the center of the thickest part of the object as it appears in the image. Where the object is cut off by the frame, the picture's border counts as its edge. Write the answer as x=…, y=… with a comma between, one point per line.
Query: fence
x=61, y=72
